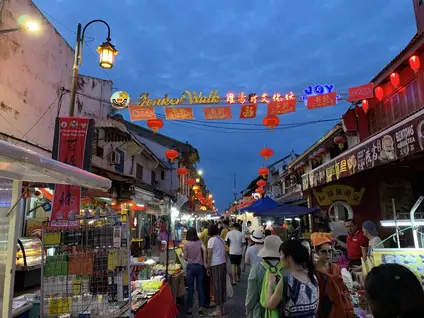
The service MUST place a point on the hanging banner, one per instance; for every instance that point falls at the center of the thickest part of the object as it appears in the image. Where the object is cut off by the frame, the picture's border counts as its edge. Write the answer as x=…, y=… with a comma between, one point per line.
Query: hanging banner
x=248, y=111
x=282, y=107
x=217, y=113
x=141, y=113
x=322, y=100
x=338, y=192
x=180, y=113
x=365, y=91
x=72, y=134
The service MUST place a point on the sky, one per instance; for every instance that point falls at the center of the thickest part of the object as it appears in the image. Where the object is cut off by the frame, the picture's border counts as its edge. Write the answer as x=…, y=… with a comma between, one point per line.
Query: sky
x=239, y=46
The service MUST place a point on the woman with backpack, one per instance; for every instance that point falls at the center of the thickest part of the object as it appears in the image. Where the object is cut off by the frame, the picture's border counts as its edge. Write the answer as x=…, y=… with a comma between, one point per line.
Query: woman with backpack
x=299, y=293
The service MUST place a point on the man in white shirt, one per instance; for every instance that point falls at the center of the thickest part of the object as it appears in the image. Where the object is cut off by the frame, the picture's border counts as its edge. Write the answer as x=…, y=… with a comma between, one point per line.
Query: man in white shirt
x=235, y=239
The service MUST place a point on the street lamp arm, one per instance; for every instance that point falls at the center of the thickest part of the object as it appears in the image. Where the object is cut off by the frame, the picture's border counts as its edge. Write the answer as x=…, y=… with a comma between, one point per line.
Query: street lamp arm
x=94, y=21
x=9, y=30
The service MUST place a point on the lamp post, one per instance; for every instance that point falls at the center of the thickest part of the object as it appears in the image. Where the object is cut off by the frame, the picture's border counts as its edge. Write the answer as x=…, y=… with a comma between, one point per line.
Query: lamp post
x=27, y=24
x=106, y=51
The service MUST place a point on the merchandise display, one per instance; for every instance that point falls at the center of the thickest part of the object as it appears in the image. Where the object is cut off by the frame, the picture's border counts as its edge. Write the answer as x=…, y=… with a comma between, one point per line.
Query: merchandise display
x=86, y=270
x=28, y=263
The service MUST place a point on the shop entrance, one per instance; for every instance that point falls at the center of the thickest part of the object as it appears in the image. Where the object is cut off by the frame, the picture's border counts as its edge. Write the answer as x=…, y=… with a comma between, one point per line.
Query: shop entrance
x=338, y=213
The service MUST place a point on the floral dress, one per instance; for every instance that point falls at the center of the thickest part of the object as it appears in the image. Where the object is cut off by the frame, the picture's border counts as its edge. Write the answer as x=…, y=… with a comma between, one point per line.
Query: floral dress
x=302, y=299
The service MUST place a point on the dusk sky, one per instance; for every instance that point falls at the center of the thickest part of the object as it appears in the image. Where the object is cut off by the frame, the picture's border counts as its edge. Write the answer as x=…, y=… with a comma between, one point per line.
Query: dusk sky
x=240, y=46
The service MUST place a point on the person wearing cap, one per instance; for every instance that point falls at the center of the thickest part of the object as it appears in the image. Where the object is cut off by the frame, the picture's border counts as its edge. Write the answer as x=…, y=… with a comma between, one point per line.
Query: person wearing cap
x=270, y=252
x=257, y=238
x=370, y=232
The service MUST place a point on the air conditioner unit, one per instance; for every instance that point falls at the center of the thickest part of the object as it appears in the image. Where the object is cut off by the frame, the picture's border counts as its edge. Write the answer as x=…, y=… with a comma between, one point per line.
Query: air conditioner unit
x=115, y=157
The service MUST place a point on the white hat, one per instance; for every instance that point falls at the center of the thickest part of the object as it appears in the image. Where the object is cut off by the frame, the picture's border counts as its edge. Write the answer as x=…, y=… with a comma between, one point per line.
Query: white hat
x=271, y=247
x=257, y=236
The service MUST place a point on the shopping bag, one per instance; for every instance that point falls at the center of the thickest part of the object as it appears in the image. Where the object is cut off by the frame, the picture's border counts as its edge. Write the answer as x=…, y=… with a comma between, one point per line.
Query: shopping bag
x=230, y=291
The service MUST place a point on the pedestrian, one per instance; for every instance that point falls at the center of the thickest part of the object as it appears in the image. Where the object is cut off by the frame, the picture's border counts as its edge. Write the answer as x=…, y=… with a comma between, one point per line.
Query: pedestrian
x=218, y=269
x=356, y=245
x=258, y=276
x=257, y=238
x=393, y=291
x=301, y=293
x=235, y=239
x=195, y=254
x=224, y=232
x=204, y=236
x=369, y=229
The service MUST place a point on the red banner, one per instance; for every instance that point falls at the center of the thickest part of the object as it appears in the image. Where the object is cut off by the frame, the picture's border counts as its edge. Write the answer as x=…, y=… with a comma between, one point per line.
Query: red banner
x=179, y=113
x=72, y=138
x=141, y=112
x=282, y=107
x=322, y=100
x=217, y=113
x=248, y=111
x=361, y=92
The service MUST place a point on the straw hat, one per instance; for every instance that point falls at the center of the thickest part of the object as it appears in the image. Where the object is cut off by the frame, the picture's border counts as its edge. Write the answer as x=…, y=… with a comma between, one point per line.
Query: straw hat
x=257, y=236
x=271, y=247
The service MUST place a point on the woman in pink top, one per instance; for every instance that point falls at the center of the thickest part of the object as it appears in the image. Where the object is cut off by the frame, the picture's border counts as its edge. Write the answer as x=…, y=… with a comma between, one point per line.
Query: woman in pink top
x=195, y=255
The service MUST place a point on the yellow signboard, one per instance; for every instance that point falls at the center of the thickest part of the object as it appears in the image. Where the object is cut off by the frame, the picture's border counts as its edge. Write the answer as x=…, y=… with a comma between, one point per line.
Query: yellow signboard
x=338, y=192
x=187, y=97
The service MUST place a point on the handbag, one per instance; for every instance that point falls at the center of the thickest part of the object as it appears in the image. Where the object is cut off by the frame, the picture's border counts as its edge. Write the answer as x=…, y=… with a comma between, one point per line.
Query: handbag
x=229, y=287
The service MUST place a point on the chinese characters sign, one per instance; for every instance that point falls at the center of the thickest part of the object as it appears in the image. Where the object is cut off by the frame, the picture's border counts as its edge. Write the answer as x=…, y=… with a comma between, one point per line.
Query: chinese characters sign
x=328, y=195
x=282, y=107
x=70, y=147
x=322, y=100
x=217, y=113
x=402, y=140
x=248, y=111
x=361, y=92
x=141, y=113
x=181, y=113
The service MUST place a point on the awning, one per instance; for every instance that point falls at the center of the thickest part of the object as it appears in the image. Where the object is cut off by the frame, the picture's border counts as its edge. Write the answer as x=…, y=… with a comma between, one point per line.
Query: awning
x=287, y=211
x=261, y=205
x=17, y=163
x=399, y=141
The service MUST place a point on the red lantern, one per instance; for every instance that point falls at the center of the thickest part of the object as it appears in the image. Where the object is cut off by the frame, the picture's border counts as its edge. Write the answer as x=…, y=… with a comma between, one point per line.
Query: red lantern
x=261, y=183
x=267, y=153
x=340, y=140
x=365, y=106
x=271, y=121
x=395, y=79
x=191, y=181
x=414, y=63
x=171, y=154
x=260, y=190
x=182, y=171
x=155, y=124
x=379, y=92
x=263, y=172
x=322, y=151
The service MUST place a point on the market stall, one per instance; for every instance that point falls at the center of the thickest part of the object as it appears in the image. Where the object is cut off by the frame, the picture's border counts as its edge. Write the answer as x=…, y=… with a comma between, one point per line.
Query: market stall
x=18, y=165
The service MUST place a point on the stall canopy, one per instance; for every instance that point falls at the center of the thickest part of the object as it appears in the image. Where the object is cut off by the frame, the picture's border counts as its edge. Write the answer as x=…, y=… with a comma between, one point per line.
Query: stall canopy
x=25, y=165
x=286, y=211
x=260, y=205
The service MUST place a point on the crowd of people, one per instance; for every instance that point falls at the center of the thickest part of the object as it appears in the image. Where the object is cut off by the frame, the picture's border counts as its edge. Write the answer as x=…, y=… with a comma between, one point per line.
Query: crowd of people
x=295, y=277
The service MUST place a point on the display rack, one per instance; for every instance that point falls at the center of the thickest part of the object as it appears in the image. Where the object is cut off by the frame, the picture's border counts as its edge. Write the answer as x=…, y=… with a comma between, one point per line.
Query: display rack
x=86, y=269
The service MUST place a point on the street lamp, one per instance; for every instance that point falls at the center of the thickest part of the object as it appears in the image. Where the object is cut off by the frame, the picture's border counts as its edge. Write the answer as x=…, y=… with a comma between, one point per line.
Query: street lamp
x=24, y=23
x=199, y=172
x=106, y=51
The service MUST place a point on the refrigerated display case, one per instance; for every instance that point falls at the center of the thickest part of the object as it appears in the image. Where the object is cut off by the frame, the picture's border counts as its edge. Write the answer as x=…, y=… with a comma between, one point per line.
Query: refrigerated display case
x=28, y=263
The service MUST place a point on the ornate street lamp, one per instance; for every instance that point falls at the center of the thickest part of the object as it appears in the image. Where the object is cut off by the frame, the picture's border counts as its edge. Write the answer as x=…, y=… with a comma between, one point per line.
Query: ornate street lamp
x=106, y=51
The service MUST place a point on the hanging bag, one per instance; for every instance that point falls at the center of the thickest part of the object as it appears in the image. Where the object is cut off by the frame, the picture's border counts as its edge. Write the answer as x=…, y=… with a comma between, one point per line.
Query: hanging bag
x=277, y=270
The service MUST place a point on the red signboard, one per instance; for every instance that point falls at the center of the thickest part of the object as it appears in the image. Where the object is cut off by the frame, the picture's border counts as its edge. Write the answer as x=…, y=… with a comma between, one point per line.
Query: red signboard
x=141, y=112
x=217, y=113
x=70, y=147
x=361, y=92
x=322, y=100
x=282, y=107
x=179, y=113
x=248, y=111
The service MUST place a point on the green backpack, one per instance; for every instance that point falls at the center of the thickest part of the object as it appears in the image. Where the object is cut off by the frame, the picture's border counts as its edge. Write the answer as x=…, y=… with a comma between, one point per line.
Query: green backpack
x=277, y=270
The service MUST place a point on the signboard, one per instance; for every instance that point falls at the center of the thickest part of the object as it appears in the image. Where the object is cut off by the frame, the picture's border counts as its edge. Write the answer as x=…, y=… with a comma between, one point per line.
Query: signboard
x=180, y=113
x=399, y=141
x=361, y=92
x=72, y=134
x=217, y=113
x=337, y=192
x=248, y=111
x=282, y=107
x=322, y=100
x=187, y=97
x=314, y=90
x=141, y=113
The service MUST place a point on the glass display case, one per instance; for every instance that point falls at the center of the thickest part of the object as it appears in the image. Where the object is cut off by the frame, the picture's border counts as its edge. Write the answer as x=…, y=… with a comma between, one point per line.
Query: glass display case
x=28, y=253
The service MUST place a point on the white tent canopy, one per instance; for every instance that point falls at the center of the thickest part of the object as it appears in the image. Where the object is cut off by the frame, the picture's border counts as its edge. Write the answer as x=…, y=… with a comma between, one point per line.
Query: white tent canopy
x=25, y=165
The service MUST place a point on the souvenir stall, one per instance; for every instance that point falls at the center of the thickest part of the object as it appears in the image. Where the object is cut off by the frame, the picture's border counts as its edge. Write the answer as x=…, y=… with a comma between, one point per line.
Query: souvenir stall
x=18, y=165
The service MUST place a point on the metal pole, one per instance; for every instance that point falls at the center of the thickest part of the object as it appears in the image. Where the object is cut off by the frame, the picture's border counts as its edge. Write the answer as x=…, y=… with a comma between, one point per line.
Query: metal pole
x=9, y=30
x=395, y=219
x=75, y=67
x=412, y=216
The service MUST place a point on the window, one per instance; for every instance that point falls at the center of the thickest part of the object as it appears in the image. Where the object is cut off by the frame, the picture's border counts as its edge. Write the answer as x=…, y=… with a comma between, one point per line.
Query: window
x=153, y=177
x=139, y=172
x=162, y=175
x=120, y=167
x=420, y=2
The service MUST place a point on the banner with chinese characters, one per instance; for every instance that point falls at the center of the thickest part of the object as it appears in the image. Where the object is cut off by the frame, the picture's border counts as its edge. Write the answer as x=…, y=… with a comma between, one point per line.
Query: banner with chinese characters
x=361, y=92
x=141, y=113
x=248, y=111
x=282, y=107
x=338, y=192
x=217, y=113
x=323, y=100
x=72, y=134
x=179, y=113
x=401, y=140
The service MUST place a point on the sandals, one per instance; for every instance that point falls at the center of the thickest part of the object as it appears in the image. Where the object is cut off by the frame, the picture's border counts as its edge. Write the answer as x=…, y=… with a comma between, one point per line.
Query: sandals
x=217, y=314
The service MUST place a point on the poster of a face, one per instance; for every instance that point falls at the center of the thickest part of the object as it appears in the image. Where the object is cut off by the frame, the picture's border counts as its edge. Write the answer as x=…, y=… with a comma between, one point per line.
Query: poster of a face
x=388, y=151
x=420, y=133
